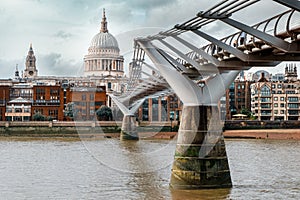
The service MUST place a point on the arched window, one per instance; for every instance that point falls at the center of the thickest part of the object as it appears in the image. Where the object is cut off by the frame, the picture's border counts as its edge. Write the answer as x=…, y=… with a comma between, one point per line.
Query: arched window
x=265, y=91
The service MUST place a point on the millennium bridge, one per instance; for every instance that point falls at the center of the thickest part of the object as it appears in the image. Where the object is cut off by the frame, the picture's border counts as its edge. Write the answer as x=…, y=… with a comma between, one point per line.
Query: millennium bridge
x=200, y=76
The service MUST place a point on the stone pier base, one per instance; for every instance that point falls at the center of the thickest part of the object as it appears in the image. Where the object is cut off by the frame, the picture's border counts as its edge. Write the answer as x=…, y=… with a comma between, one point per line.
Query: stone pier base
x=200, y=158
x=128, y=130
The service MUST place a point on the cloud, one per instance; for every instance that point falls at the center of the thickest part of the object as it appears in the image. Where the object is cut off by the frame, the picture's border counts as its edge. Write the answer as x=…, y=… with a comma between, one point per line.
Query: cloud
x=63, y=35
x=47, y=23
x=55, y=64
x=9, y=67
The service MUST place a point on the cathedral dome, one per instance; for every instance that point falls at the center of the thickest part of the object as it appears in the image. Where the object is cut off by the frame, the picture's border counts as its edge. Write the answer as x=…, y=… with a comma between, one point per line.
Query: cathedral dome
x=104, y=57
x=104, y=40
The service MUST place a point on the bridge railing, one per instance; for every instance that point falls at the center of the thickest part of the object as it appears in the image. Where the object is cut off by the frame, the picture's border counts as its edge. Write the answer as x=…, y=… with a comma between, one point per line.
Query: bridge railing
x=285, y=26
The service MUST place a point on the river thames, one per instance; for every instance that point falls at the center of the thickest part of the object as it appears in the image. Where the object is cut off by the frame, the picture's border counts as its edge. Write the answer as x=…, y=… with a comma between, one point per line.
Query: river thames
x=111, y=169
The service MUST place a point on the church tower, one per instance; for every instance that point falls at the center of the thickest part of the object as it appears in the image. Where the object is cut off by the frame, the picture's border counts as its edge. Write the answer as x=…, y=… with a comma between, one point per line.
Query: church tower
x=30, y=67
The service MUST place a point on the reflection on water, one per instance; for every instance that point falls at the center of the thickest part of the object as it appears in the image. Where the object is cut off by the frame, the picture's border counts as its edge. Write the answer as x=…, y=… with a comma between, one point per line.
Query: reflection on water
x=113, y=169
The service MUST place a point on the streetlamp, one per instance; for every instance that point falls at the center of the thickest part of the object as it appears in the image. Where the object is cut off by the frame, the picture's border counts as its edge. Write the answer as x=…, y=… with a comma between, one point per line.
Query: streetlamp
x=201, y=84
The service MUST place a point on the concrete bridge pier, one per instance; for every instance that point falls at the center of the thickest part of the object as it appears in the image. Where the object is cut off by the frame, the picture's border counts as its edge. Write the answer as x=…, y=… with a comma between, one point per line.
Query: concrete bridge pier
x=128, y=130
x=200, y=159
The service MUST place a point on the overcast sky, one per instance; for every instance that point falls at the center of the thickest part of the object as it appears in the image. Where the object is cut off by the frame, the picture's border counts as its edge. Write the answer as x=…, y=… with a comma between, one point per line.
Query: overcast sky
x=61, y=30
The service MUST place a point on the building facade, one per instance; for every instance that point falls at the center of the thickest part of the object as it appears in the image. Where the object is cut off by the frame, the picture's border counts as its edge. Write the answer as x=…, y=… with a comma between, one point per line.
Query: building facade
x=277, y=100
x=238, y=97
x=161, y=109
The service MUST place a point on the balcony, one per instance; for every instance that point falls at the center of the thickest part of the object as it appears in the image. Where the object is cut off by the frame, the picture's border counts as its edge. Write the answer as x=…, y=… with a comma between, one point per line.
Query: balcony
x=293, y=113
x=265, y=113
x=46, y=103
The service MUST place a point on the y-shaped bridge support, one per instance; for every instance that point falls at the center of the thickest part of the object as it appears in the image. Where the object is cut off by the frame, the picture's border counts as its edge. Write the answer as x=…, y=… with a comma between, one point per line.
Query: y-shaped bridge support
x=200, y=158
x=128, y=130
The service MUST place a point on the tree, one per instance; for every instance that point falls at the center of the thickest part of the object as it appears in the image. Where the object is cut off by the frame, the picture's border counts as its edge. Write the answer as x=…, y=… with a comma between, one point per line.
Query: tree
x=70, y=110
x=104, y=113
x=246, y=112
x=38, y=117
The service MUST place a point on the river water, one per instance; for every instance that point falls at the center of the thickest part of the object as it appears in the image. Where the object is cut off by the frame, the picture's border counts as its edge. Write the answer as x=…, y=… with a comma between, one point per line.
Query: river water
x=111, y=169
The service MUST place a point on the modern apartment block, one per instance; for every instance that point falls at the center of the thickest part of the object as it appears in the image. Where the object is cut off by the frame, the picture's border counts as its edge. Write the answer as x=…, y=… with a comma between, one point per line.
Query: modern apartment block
x=238, y=97
x=267, y=96
x=277, y=100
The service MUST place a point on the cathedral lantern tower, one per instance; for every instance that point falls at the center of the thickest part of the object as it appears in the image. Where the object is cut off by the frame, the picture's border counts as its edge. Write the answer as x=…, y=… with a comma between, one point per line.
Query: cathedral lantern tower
x=30, y=67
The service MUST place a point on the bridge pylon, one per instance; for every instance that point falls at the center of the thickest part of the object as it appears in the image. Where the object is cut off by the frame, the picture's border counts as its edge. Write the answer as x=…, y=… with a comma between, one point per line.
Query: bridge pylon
x=128, y=129
x=200, y=159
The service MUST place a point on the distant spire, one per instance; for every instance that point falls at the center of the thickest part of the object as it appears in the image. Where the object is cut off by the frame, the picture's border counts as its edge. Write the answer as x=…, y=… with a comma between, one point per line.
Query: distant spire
x=17, y=72
x=103, y=23
x=30, y=48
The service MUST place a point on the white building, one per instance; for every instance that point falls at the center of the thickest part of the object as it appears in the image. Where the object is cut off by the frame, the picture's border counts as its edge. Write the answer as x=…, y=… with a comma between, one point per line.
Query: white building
x=103, y=63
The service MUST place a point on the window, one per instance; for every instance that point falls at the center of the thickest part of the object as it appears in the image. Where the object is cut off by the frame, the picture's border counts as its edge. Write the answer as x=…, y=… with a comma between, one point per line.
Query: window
x=92, y=97
x=290, y=92
x=83, y=97
x=282, y=112
x=275, y=105
x=265, y=106
x=38, y=110
x=265, y=99
x=281, y=98
x=275, y=111
x=293, y=112
x=40, y=94
x=282, y=105
x=293, y=105
x=53, y=112
x=275, y=98
x=265, y=91
x=54, y=94
x=273, y=86
x=279, y=86
x=99, y=103
x=293, y=99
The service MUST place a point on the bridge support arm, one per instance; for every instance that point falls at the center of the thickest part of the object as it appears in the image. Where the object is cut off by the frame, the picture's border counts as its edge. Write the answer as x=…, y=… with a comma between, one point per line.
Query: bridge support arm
x=205, y=55
x=185, y=89
x=272, y=40
x=182, y=55
x=244, y=57
x=294, y=4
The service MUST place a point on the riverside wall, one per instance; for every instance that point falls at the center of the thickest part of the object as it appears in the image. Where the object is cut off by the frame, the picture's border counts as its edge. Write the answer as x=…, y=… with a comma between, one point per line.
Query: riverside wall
x=232, y=129
x=254, y=124
x=56, y=128
x=83, y=129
